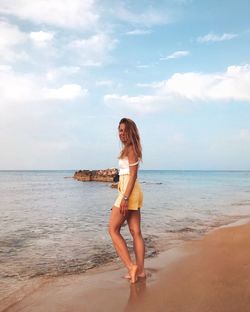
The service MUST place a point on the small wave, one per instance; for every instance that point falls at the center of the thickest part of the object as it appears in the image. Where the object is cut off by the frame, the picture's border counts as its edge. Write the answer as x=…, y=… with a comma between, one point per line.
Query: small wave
x=150, y=243
x=154, y=183
x=98, y=256
x=182, y=230
x=242, y=203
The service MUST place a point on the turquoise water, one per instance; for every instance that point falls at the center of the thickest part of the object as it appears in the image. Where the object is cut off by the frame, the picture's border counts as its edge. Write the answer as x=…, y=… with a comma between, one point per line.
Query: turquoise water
x=51, y=224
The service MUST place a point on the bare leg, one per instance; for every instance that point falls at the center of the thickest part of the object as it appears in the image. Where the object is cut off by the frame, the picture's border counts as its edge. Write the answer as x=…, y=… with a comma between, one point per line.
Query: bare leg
x=115, y=223
x=134, y=223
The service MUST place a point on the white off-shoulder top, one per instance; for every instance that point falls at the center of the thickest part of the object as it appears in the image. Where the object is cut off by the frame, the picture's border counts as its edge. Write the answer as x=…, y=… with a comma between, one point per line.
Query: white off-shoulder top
x=124, y=165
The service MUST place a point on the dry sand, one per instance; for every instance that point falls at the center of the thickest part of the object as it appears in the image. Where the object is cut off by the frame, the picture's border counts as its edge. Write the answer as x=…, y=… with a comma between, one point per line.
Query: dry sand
x=212, y=274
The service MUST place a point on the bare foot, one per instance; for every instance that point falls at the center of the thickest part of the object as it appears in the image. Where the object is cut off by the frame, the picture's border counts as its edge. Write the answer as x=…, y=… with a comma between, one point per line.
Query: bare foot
x=133, y=273
x=127, y=276
x=142, y=274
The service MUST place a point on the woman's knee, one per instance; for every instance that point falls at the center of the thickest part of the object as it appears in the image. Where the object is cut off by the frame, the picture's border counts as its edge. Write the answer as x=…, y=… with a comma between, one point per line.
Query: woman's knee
x=135, y=232
x=112, y=230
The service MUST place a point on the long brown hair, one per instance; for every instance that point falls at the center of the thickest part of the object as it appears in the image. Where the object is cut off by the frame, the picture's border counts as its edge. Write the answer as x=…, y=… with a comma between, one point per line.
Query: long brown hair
x=133, y=138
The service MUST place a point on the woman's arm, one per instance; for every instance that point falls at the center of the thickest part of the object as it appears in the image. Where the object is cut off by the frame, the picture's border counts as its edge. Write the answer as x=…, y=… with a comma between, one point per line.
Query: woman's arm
x=133, y=168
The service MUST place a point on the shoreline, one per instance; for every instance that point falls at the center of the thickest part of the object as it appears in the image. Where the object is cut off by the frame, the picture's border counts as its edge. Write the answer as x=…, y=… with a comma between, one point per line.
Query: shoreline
x=63, y=293
x=174, y=239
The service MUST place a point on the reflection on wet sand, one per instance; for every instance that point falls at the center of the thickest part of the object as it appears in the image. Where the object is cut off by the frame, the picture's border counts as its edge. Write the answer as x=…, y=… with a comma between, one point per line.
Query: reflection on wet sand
x=137, y=290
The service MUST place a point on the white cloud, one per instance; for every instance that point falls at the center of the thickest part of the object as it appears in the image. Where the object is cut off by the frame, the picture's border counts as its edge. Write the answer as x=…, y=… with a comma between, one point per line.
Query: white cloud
x=26, y=88
x=93, y=50
x=54, y=74
x=175, y=55
x=41, y=38
x=5, y=68
x=215, y=38
x=137, y=32
x=141, y=103
x=148, y=17
x=11, y=38
x=153, y=85
x=232, y=85
x=66, y=92
x=16, y=88
x=67, y=13
x=10, y=35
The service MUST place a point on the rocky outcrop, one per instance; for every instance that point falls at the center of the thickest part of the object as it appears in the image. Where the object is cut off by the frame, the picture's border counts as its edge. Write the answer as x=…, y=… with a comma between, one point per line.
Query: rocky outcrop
x=106, y=175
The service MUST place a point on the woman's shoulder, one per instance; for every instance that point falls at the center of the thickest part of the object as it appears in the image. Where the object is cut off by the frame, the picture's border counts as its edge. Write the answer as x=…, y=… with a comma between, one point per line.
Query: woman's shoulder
x=130, y=151
x=132, y=156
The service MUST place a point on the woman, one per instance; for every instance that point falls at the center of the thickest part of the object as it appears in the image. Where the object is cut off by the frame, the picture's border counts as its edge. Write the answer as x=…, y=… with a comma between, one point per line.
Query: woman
x=129, y=201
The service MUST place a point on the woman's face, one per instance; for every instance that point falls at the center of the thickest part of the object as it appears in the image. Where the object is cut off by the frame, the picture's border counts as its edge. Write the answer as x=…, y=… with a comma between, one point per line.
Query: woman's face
x=123, y=133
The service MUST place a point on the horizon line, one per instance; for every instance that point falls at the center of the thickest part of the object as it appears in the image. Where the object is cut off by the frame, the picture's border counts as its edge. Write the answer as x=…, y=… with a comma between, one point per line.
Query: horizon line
x=1, y=170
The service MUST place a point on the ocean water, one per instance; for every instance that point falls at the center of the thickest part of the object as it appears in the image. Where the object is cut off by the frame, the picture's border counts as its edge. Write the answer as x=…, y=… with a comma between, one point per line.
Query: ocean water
x=51, y=224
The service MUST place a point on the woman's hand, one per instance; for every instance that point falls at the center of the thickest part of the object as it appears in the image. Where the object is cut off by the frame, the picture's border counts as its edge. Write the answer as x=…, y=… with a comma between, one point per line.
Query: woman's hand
x=124, y=207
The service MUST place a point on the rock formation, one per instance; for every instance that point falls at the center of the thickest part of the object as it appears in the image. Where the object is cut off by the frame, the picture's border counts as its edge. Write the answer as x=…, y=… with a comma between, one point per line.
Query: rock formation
x=106, y=175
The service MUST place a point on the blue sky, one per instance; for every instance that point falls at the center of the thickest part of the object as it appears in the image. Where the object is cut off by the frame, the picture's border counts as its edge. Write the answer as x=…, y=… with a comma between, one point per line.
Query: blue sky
x=70, y=70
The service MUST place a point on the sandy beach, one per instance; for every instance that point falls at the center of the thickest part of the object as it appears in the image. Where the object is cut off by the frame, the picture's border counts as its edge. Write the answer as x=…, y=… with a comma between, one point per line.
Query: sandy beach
x=211, y=274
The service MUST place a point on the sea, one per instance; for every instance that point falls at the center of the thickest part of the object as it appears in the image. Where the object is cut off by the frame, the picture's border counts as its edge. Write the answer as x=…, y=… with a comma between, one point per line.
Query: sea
x=54, y=225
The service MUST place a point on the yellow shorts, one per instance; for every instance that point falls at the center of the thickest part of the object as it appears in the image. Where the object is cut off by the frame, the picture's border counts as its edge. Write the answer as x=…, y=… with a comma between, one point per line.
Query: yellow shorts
x=136, y=197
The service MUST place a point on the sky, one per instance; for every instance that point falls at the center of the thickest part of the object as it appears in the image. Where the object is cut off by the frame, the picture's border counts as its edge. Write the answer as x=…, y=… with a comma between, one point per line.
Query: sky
x=71, y=69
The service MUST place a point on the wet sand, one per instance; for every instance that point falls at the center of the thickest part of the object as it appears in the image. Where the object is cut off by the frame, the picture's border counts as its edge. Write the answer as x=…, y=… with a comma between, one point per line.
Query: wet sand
x=211, y=274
